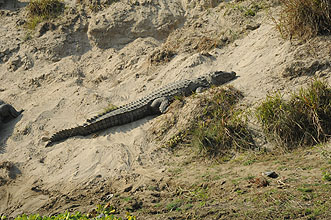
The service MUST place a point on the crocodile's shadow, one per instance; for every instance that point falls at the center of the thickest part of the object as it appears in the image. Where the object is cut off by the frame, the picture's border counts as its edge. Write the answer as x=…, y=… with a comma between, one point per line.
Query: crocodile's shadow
x=6, y=130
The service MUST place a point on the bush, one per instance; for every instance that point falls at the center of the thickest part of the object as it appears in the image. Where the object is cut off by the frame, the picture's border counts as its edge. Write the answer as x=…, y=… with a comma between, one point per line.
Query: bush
x=222, y=128
x=41, y=10
x=45, y=8
x=303, y=120
x=305, y=18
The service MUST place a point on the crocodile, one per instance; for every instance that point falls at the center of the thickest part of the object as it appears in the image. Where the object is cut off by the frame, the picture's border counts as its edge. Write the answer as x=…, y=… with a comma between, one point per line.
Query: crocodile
x=7, y=112
x=155, y=103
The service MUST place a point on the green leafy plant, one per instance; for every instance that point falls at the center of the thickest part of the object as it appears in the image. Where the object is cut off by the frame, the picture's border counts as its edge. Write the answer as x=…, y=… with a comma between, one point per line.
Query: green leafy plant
x=303, y=120
x=305, y=18
x=326, y=176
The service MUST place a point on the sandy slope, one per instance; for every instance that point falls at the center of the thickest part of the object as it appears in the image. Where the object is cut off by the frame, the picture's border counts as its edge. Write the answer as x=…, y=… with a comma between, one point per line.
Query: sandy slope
x=72, y=73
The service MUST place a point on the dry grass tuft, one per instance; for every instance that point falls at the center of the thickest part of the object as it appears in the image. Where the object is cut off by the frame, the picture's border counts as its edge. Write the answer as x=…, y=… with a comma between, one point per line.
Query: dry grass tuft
x=222, y=128
x=304, y=19
x=45, y=8
x=41, y=10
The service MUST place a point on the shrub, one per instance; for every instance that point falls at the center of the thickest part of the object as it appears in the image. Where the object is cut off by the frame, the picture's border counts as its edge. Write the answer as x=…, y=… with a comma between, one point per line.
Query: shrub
x=45, y=8
x=41, y=10
x=222, y=128
x=305, y=119
x=305, y=18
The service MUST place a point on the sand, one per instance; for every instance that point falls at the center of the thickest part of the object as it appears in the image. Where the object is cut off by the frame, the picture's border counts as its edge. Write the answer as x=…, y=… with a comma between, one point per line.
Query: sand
x=64, y=76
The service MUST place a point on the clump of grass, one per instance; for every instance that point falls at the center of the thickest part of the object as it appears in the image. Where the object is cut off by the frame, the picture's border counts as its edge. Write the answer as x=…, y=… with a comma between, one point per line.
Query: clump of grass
x=303, y=120
x=41, y=10
x=326, y=176
x=162, y=56
x=206, y=44
x=305, y=18
x=222, y=128
x=176, y=139
x=109, y=108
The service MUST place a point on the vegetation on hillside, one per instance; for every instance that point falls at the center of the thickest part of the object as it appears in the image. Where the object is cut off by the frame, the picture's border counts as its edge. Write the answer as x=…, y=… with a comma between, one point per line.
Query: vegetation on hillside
x=303, y=120
x=41, y=10
x=219, y=129
x=102, y=212
x=222, y=128
x=305, y=18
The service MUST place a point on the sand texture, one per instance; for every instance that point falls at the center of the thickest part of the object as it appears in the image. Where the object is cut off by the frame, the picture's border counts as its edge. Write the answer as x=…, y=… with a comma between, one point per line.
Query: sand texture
x=70, y=69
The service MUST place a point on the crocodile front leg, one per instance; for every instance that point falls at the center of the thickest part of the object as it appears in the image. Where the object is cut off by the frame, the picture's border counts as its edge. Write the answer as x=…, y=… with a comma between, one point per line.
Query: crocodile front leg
x=160, y=105
x=201, y=89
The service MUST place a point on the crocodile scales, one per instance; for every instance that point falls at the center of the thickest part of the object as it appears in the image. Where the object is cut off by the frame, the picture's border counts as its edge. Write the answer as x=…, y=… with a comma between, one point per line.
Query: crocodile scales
x=155, y=103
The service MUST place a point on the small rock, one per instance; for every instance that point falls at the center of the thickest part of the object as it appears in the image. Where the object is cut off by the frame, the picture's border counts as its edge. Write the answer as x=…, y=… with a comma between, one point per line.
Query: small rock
x=156, y=195
x=271, y=174
x=108, y=197
x=252, y=27
x=36, y=188
x=224, y=39
x=14, y=63
x=20, y=22
x=128, y=189
x=320, y=73
x=100, y=216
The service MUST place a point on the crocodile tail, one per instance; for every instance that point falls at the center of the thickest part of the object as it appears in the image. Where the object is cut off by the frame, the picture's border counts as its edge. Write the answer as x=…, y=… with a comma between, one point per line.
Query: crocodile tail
x=94, y=118
x=64, y=134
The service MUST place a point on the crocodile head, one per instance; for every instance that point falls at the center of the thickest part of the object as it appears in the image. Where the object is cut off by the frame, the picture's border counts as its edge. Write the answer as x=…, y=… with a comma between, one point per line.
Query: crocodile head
x=220, y=77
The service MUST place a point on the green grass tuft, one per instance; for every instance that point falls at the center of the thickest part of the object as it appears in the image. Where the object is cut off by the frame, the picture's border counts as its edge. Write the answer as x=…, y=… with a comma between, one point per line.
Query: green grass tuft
x=303, y=120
